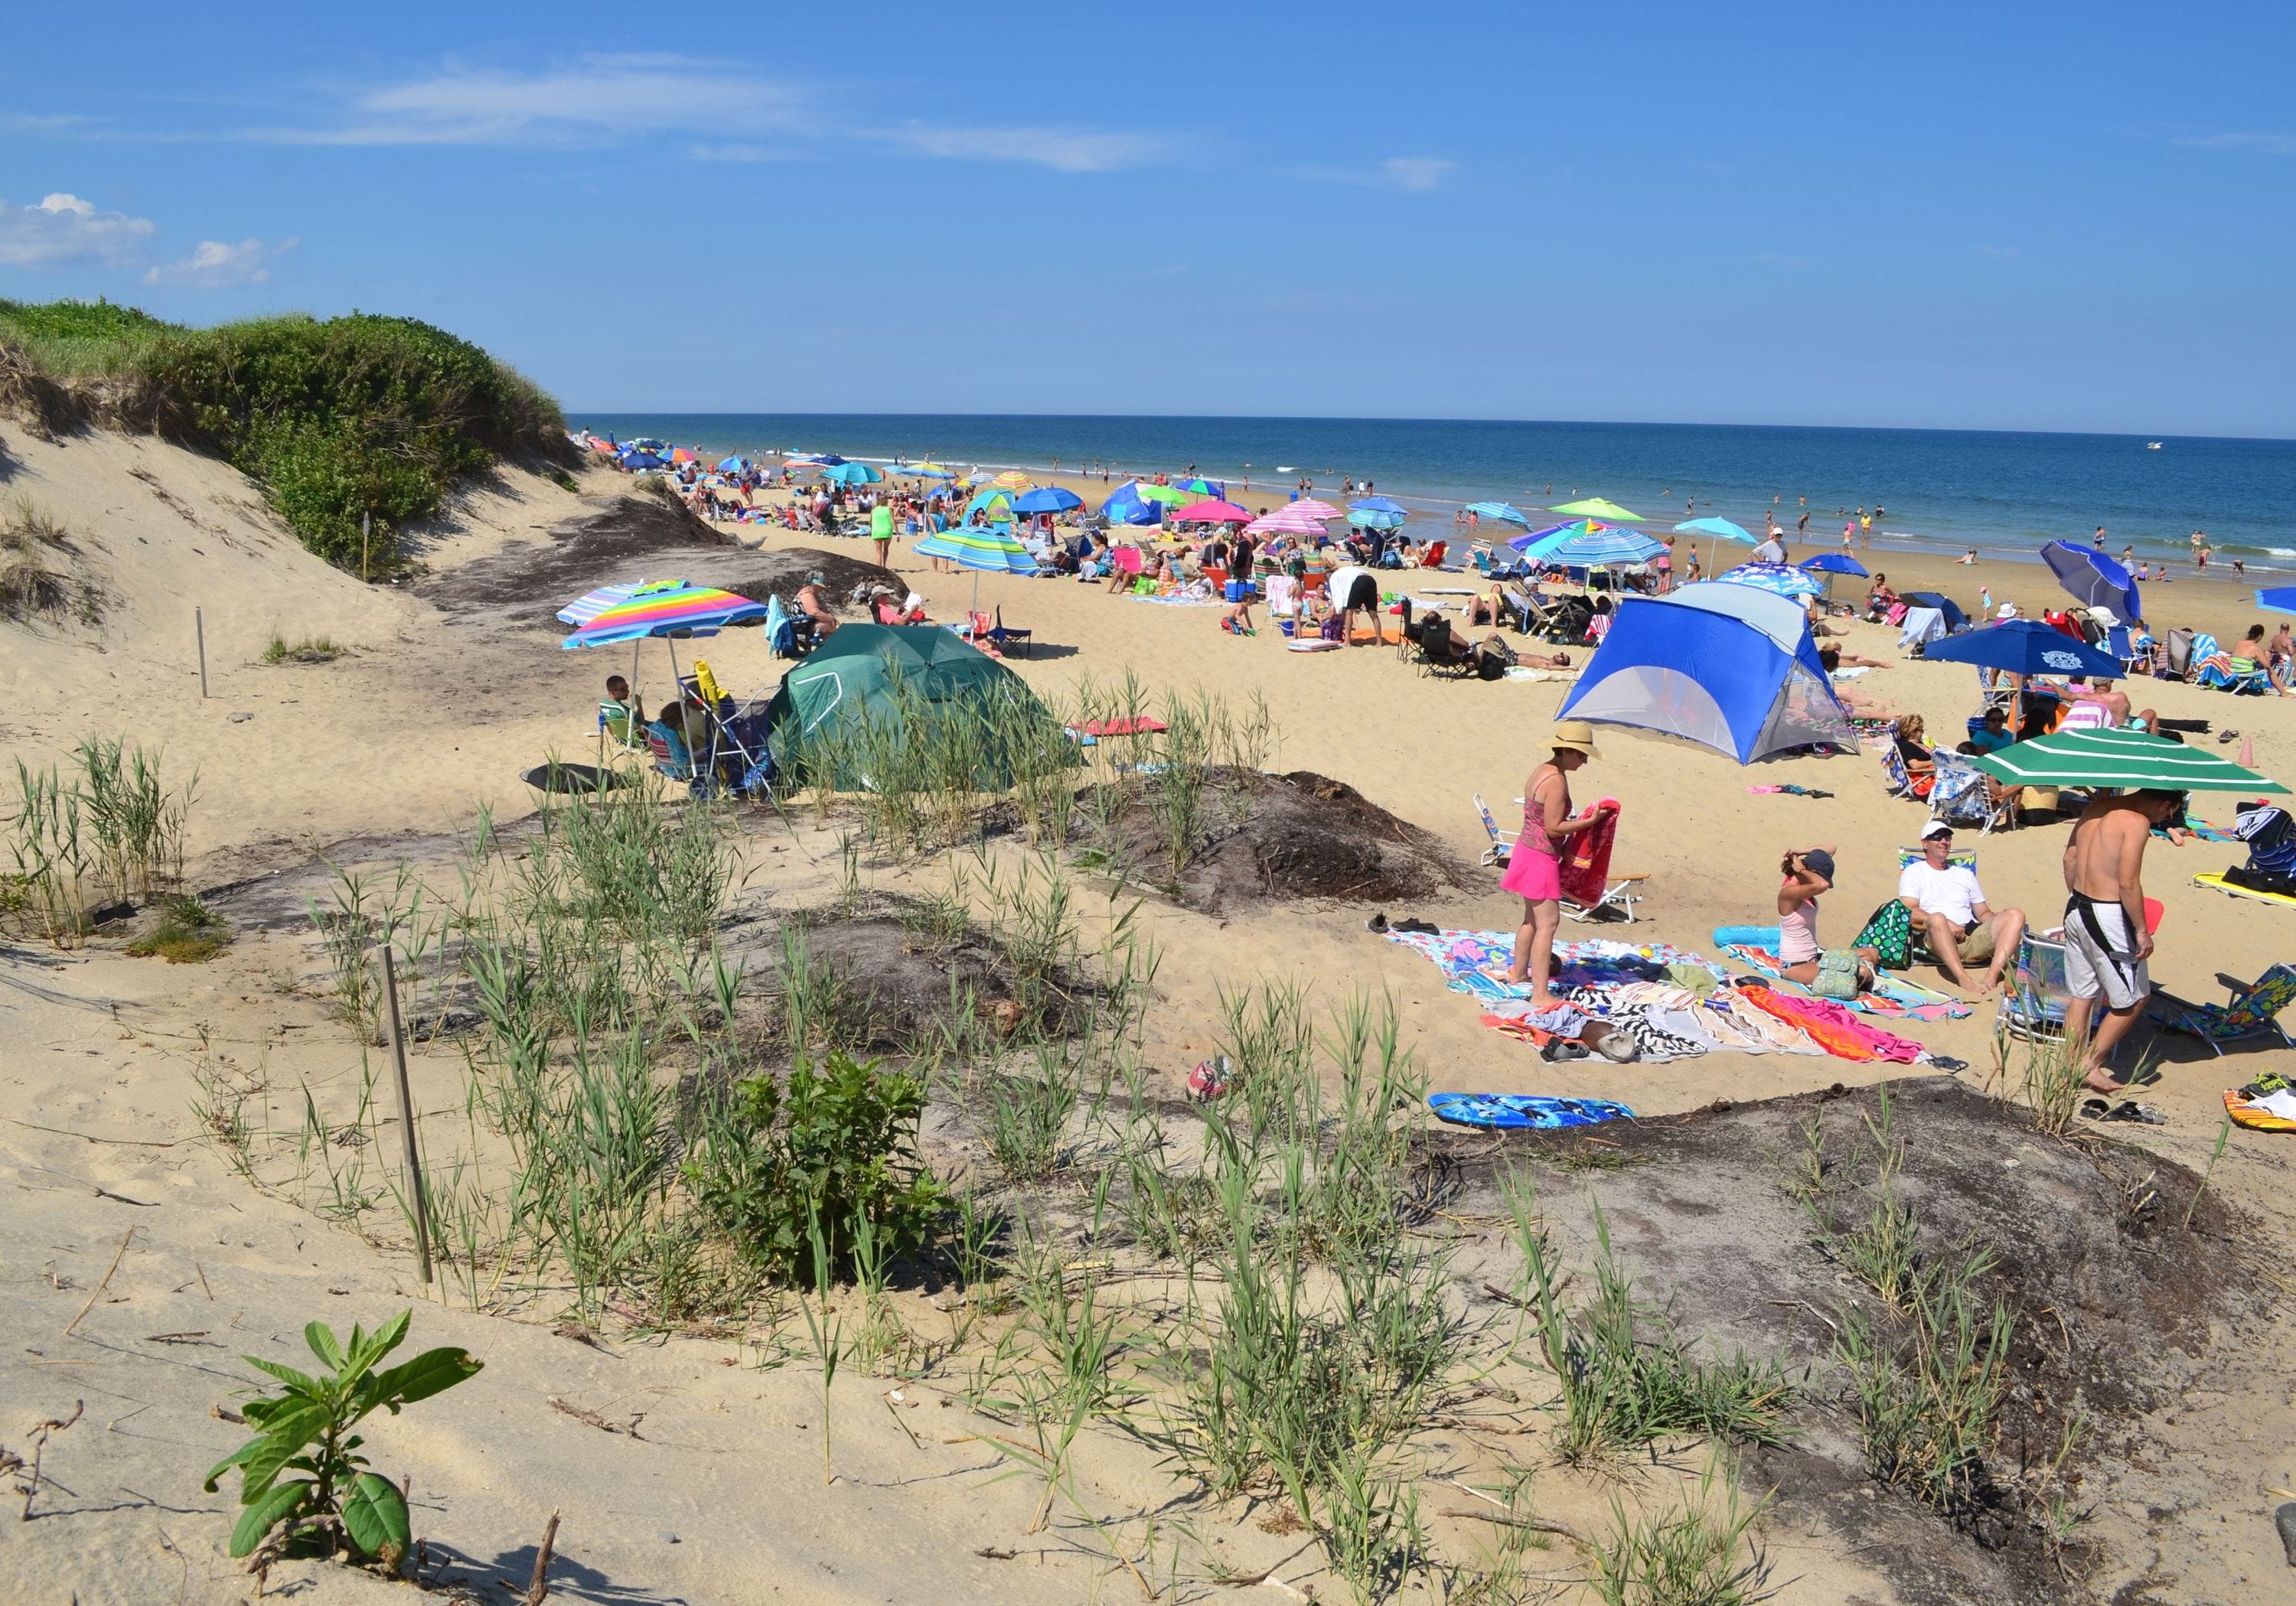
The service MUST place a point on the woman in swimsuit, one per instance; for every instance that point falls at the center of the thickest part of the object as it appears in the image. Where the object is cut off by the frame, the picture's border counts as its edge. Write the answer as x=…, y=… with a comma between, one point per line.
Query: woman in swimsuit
x=1809, y=872
x=1534, y=867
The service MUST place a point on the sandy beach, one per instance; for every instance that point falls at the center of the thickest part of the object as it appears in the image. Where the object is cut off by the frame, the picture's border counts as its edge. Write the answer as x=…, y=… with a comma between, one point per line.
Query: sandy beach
x=685, y=1466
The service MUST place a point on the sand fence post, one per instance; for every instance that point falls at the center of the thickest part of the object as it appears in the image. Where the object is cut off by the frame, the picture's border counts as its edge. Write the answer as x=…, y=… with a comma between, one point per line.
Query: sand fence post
x=407, y=1108
x=200, y=634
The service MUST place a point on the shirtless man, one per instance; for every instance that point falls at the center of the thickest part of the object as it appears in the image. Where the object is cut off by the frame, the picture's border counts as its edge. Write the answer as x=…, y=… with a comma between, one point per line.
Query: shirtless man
x=2106, y=943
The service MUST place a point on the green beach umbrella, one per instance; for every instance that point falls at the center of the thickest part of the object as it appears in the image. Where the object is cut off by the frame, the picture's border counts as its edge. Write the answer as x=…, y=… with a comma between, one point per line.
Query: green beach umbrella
x=2127, y=759
x=1596, y=507
x=1170, y=495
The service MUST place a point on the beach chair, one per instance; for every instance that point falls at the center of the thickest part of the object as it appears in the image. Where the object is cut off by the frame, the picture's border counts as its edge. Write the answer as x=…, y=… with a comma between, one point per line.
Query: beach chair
x=666, y=758
x=1438, y=650
x=2034, y=1008
x=2180, y=653
x=1893, y=767
x=1960, y=796
x=1621, y=893
x=1502, y=848
x=2254, y=1009
x=1005, y=636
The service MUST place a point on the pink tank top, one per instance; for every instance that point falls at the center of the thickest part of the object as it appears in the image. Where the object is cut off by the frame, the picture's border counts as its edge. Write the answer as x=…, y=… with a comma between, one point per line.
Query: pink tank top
x=1798, y=934
x=1534, y=838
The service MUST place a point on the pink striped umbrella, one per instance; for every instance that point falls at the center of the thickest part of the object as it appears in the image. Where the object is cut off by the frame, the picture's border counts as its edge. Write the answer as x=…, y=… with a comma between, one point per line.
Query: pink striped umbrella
x=1314, y=509
x=1212, y=512
x=1288, y=520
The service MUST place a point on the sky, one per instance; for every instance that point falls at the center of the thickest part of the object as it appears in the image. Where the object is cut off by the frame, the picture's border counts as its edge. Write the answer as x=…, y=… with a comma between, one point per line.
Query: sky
x=2037, y=217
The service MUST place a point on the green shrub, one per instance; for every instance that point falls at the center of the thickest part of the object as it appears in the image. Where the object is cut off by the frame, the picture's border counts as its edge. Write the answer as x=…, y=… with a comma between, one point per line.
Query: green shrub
x=339, y=418
x=301, y=1474
x=835, y=1147
x=189, y=932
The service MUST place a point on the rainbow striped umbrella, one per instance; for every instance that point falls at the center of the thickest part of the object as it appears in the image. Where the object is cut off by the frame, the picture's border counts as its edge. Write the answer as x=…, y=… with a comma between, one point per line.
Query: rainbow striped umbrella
x=1011, y=480
x=682, y=611
x=590, y=604
x=989, y=547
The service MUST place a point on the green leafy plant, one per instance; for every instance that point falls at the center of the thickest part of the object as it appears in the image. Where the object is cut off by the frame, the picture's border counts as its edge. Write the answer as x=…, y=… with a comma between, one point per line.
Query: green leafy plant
x=835, y=1145
x=189, y=932
x=301, y=1478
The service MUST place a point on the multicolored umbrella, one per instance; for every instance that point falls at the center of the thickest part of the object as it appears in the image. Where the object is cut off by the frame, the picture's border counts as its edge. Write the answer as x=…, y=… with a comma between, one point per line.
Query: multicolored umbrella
x=1210, y=489
x=590, y=604
x=1500, y=510
x=990, y=548
x=684, y=455
x=1011, y=480
x=2119, y=759
x=1596, y=507
x=1783, y=578
x=1170, y=495
x=925, y=471
x=1212, y=512
x=683, y=610
x=1537, y=543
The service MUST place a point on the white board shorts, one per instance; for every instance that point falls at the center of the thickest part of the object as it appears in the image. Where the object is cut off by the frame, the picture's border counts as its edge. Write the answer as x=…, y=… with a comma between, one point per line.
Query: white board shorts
x=2090, y=971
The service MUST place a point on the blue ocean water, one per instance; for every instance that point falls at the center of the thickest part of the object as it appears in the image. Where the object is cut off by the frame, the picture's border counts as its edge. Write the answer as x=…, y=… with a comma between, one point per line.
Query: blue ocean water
x=2002, y=492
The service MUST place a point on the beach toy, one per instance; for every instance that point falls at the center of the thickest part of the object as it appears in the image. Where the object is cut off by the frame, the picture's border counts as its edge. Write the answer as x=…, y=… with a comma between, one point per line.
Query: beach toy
x=1523, y=1112
x=1747, y=937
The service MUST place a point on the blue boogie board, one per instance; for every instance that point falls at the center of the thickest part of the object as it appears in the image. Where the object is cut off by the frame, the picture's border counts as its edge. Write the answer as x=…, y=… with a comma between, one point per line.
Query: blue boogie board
x=1520, y=1112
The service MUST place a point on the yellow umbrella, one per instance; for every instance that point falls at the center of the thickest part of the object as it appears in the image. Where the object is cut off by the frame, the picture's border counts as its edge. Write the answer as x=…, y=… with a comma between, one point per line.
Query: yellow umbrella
x=1011, y=480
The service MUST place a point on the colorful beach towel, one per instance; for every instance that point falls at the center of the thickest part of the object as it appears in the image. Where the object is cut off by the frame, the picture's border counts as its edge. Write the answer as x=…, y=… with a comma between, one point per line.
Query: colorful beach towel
x=1523, y=1112
x=1836, y=1030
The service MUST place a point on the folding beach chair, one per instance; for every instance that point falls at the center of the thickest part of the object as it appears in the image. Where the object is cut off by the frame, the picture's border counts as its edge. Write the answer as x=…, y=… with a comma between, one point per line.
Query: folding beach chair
x=1893, y=767
x=666, y=758
x=1438, y=650
x=1621, y=893
x=1502, y=848
x=2035, y=1007
x=2253, y=1008
x=1960, y=797
x=1003, y=636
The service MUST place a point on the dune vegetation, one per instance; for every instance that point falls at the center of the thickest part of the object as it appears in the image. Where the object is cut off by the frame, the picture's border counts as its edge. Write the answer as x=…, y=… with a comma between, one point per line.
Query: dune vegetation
x=356, y=426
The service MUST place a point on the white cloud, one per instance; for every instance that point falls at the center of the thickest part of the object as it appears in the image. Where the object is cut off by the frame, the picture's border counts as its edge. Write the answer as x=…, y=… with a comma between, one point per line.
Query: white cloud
x=64, y=228
x=726, y=108
x=1417, y=174
x=218, y=264
x=2271, y=145
x=1063, y=150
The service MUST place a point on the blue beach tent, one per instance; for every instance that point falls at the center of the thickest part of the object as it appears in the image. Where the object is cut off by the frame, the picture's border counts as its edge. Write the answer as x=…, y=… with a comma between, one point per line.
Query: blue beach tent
x=1725, y=665
x=1127, y=505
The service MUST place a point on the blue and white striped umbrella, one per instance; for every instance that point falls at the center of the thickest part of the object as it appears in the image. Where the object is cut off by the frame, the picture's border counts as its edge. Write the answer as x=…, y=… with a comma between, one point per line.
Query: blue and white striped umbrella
x=1783, y=578
x=1599, y=547
x=1374, y=518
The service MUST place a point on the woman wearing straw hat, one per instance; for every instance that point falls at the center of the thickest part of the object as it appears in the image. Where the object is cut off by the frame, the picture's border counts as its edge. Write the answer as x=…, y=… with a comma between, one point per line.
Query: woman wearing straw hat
x=1534, y=867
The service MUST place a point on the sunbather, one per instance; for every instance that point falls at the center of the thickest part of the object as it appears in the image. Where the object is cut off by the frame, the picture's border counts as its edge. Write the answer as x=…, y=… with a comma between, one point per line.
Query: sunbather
x=1809, y=871
x=812, y=606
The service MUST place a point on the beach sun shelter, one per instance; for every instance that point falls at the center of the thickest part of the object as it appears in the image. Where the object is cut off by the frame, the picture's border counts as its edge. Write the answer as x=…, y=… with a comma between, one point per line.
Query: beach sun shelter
x=855, y=702
x=1725, y=665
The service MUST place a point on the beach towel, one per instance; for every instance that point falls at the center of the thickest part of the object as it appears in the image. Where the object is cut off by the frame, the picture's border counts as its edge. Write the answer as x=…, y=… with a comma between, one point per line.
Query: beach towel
x=1523, y=1112
x=1587, y=867
x=1833, y=1027
x=1756, y=948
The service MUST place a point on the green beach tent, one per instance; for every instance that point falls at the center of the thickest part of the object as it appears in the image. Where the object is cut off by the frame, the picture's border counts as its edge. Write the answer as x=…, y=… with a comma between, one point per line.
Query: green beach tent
x=874, y=699
x=1596, y=507
x=2119, y=759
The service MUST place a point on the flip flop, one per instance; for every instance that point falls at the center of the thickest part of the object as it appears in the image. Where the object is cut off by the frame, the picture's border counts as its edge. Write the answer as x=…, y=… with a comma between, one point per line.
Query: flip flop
x=2129, y=1109
x=2095, y=1109
x=1377, y=922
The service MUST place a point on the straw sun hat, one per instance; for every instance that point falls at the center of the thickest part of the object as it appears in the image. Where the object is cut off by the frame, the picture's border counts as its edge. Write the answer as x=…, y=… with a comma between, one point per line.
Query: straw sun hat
x=1576, y=734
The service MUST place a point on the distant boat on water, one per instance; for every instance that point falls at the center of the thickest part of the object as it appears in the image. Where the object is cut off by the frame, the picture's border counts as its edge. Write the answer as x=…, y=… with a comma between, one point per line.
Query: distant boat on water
x=2152, y=446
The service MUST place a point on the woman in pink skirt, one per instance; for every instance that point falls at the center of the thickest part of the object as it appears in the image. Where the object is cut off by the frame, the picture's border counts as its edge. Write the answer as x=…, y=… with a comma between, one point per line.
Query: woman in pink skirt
x=1535, y=868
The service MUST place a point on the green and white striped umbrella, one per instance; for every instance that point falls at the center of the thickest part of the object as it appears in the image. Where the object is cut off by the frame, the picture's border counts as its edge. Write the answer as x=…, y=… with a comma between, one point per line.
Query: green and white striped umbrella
x=2124, y=759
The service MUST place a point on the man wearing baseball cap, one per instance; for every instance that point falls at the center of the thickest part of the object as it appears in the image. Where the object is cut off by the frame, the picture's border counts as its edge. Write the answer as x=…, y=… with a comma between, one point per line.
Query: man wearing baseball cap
x=1948, y=907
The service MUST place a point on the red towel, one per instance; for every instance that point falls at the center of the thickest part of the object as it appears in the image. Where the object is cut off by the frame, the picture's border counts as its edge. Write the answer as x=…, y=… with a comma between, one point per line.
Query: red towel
x=1587, y=867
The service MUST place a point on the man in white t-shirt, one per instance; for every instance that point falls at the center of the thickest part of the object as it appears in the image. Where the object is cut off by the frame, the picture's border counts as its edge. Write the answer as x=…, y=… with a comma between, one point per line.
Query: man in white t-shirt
x=1771, y=550
x=1949, y=908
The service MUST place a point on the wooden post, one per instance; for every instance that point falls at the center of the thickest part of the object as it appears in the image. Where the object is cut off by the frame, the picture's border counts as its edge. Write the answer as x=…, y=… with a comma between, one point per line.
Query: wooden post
x=366, y=525
x=200, y=631
x=406, y=1110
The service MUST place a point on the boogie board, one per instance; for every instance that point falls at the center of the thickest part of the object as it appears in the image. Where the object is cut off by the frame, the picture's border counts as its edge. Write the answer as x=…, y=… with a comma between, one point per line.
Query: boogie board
x=1520, y=1111
x=2235, y=889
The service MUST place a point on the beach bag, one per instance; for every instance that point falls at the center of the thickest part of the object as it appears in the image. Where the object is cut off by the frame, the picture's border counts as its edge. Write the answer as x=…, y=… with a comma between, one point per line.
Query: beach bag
x=1891, y=934
x=1334, y=628
x=1837, y=975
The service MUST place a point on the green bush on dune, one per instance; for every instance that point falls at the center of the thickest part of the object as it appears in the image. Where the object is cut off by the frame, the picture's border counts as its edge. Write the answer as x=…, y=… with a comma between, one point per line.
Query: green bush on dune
x=338, y=417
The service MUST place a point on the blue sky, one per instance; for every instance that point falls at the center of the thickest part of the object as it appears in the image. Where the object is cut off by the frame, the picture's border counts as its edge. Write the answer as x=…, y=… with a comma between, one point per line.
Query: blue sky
x=2021, y=218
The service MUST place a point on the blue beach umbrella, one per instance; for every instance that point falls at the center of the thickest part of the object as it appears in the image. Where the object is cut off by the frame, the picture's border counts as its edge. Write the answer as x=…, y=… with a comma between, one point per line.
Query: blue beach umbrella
x=640, y=460
x=1379, y=505
x=2025, y=647
x=1537, y=543
x=2095, y=580
x=733, y=465
x=1605, y=546
x=1720, y=528
x=1046, y=499
x=1783, y=578
x=853, y=473
x=2277, y=599
x=1500, y=510
x=1832, y=562
x=1374, y=518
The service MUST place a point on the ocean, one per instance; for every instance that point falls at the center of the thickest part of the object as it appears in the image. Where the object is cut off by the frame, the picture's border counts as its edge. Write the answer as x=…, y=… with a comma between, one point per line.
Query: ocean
x=2002, y=493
